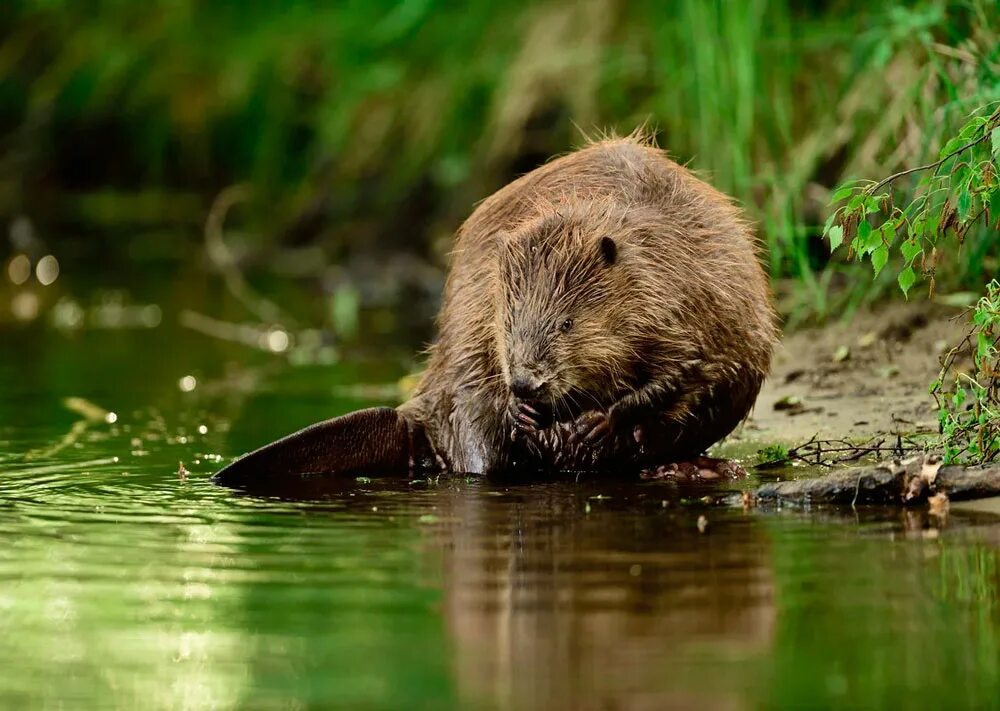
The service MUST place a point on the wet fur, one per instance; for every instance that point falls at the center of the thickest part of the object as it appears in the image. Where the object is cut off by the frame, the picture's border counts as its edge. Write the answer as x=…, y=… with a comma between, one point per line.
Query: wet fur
x=673, y=336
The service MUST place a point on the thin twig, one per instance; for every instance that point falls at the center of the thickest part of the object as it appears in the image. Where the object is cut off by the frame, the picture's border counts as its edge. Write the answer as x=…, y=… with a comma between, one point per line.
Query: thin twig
x=937, y=163
x=818, y=452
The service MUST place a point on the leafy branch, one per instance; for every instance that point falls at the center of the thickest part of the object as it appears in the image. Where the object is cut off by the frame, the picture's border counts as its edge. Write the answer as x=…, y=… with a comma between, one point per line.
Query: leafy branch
x=954, y=193
x=961, y=188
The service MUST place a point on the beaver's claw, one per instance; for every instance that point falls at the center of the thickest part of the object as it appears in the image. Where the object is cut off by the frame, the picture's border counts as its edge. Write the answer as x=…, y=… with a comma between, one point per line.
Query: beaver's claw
x=526, y=418
x=591, y=427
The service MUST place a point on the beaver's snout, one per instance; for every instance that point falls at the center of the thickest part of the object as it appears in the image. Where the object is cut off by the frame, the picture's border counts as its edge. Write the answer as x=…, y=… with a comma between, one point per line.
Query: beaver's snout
x=527, y=386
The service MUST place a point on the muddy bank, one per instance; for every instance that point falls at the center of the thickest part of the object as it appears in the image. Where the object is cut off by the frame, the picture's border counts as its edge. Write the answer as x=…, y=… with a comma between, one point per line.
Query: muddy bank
x=855, y=379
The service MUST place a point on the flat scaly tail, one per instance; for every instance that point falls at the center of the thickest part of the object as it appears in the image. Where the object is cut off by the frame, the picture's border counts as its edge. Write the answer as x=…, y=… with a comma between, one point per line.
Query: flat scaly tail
x=376, y=442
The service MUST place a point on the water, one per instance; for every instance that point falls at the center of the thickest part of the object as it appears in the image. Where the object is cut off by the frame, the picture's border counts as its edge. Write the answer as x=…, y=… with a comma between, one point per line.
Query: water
x=124, y=584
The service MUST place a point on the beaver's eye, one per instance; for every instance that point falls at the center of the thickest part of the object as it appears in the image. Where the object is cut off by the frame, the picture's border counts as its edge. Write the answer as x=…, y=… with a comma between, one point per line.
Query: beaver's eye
x=566, y=325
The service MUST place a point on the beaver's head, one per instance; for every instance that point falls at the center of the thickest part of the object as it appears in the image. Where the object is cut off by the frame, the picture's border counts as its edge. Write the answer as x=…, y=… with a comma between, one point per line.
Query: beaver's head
x=563, y=294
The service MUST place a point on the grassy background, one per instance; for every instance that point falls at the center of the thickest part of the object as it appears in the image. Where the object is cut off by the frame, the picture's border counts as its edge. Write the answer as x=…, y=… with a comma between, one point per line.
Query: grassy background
x=371, y=127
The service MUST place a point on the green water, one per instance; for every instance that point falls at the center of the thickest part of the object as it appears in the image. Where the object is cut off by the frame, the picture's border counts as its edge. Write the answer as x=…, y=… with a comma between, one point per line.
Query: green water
x=124, y=585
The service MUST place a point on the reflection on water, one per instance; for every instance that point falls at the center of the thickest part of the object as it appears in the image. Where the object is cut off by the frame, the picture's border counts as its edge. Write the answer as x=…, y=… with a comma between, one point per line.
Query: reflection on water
x=627, y=604
x=124, y=584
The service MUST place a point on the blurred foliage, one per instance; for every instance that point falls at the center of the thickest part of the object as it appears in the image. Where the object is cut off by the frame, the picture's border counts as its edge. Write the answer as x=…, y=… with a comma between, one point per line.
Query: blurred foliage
x=363, y=125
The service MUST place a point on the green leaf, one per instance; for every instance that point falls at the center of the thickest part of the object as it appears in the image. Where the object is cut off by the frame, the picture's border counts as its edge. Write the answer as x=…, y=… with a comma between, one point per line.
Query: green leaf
x=906, y=279
x=836, y=234
x=960, y=176
x=982, y=345
x=910, y=249
x=888, y=232
x=829, y=222
x=995, y=204
x=964, y=205
x=836, y=237
x=840, y=194
x=970, y=129
x=879, y=258
x=872, y=239
x=995, y=142
x=951, y=146
x=931, y=227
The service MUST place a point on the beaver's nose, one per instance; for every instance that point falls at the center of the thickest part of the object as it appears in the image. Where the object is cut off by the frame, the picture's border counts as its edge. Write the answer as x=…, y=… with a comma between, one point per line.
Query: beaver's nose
x=526, y=386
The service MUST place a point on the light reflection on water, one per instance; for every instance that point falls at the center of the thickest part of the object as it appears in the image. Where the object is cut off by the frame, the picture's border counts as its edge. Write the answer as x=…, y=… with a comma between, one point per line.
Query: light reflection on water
x=123, y=584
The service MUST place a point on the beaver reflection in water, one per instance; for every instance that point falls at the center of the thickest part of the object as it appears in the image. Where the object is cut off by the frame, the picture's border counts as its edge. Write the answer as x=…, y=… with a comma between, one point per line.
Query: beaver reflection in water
x=605, y=312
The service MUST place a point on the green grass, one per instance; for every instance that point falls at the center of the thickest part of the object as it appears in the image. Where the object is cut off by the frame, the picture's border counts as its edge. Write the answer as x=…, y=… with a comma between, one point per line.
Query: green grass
x=395, y=119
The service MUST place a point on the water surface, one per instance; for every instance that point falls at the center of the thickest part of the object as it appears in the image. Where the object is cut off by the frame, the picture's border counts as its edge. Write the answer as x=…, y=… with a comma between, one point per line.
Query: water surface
x=126, y=584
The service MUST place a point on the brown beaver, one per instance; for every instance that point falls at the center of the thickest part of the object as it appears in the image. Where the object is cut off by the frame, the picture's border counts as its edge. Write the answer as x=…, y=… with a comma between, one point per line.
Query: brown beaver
x=605, y=311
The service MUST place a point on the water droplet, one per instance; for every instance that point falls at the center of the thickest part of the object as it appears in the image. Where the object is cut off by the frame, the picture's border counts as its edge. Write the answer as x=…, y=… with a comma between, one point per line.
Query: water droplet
x=187, y=383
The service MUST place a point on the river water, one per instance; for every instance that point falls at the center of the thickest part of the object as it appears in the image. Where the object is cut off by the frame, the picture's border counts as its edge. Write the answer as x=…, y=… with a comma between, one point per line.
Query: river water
x=126, y=583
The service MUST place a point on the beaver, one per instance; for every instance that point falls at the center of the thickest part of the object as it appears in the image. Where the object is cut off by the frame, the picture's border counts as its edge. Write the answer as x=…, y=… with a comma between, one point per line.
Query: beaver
x=606, y=311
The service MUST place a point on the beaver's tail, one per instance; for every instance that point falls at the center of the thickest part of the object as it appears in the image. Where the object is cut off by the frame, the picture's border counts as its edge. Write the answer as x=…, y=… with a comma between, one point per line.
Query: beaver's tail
x=377, y=442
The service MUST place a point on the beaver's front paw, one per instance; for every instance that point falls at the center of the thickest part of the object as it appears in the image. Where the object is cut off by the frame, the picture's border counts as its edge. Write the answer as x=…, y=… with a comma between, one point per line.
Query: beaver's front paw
x=526, y=418
x=591, y=427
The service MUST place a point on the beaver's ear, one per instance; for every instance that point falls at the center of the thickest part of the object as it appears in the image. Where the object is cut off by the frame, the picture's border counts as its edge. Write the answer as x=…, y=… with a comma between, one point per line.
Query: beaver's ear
x=609, y=250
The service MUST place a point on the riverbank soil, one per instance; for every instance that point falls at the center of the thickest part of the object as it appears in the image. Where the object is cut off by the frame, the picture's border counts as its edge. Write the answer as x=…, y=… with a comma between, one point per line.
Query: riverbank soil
x=855, y=379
